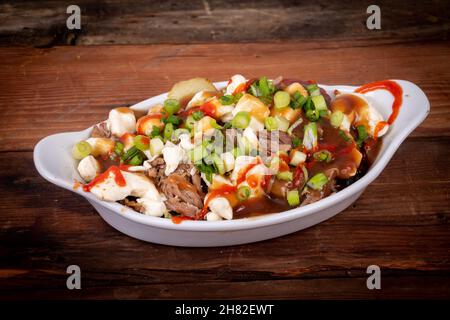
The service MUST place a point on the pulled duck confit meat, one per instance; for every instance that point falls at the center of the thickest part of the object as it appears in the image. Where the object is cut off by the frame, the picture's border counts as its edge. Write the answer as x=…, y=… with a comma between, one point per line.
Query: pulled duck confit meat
x=311, y=195
x=182, y=196
x=182, y=190
x=271, y=142
x=101, y=131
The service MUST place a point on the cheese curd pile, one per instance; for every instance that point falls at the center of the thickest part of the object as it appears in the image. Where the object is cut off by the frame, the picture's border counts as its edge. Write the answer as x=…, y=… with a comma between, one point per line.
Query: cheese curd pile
x=257, y=146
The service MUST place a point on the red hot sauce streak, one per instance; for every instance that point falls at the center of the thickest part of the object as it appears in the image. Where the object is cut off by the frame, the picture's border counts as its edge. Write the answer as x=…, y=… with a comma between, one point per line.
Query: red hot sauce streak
x=118, y=178
x=391, y=86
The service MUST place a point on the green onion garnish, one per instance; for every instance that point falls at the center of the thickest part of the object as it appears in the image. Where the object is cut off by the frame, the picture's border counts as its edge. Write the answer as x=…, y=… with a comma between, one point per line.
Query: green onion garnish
x=296, y=141
x=171, y=106
x=298, y=100
x=285, y=175
x=197, y=115
x=281, y=99
x=323, y=155
x=168, y=131
x=241, y=120
x=118, y=148
x=141, y=142
x=81, y=149
x=293, y=198
x=190, y=122
x=226, y=99
x=243, y=193
x=318, y=181
x=172, y=119
x=336, y=118
x=271, y=123
x=319, y=102
x=362, y=135
x=156, y=131
x=136, y=160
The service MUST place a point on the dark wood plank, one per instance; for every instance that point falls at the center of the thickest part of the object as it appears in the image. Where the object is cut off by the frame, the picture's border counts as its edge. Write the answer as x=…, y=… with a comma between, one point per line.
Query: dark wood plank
x=43, y=23
x=400, y=223
x=45, y=91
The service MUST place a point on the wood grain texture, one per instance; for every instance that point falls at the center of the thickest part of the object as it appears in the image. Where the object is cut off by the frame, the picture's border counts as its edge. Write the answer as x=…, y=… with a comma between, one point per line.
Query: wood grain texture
x=43, y=23
x=400, y=223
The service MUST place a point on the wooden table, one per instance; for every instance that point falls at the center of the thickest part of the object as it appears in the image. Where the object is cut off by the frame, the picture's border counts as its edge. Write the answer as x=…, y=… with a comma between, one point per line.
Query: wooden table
x=401, y=222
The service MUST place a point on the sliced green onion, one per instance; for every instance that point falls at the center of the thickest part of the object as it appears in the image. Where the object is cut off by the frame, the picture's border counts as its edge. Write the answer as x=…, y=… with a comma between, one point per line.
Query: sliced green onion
x=265, y=87
x=226, y=99
x=296, y=141
x=318, y=181
x=336, y=118
x=323, y=155
x=297, y=158
x=190, y=122
x=197, y=154
x=313, y=90
x=156, y=146
x=241, y=120
x=81, y=150
x=141, y=142
x=312, y=115
x=171, y=106
x=218, y=163
x=319, y=102
x=283, y=123
x=178, y=132
x=136, y=160
x=271, y=123
x=243, y=193
x=214, y=124
x=156, y=131
x=310, y=136
x=281, y=99
x=298, y=100
x=344, y=136
x=285, y=175
x=197, y=115
x=118, y=148
x=133, y=151
x=168, y=131
x=362, y=135
x=172, y=119
x=254, y=90
x=293, y=198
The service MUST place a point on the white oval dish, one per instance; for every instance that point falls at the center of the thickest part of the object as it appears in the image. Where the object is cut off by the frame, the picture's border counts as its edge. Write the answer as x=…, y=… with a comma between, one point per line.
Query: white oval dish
x=53, y=160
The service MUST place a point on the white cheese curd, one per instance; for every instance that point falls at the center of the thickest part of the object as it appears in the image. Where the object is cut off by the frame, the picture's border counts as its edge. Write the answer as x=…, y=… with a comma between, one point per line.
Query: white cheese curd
x=235, y=82
x=240, y=163
x=109, y=190
x=255, y=125
x=211, y=216
x=101, y=146
x=185, y=142
x=155, y=208
x=374, y=117
x=221, y=206
x=251, y=137
x=173, y=156
x=88, y=168
x=260, y=171
x=228, y=161
x=121, y=120
x=140, y=185
x=345, y=124
x=200, y=98
x=219, y=181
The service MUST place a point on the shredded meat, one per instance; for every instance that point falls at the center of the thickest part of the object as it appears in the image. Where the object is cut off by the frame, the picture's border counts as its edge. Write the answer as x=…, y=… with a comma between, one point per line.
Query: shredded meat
x=132, y=204
x=101, y=131
x=183, y=191
x=269, y=146
x=182, y=196
x=311, y=195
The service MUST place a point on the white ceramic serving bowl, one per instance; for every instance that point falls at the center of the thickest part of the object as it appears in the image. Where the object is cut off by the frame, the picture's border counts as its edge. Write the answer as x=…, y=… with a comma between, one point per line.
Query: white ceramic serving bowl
x=53, y=160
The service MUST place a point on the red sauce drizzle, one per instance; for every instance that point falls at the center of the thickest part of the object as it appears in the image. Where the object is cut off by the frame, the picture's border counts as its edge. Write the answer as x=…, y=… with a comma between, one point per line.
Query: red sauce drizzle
x=394, y=89
x=180, y=219
x=118, y=178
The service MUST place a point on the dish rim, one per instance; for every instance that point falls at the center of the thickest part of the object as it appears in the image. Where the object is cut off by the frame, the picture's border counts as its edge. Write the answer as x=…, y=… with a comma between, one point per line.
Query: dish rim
x=243, y=223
